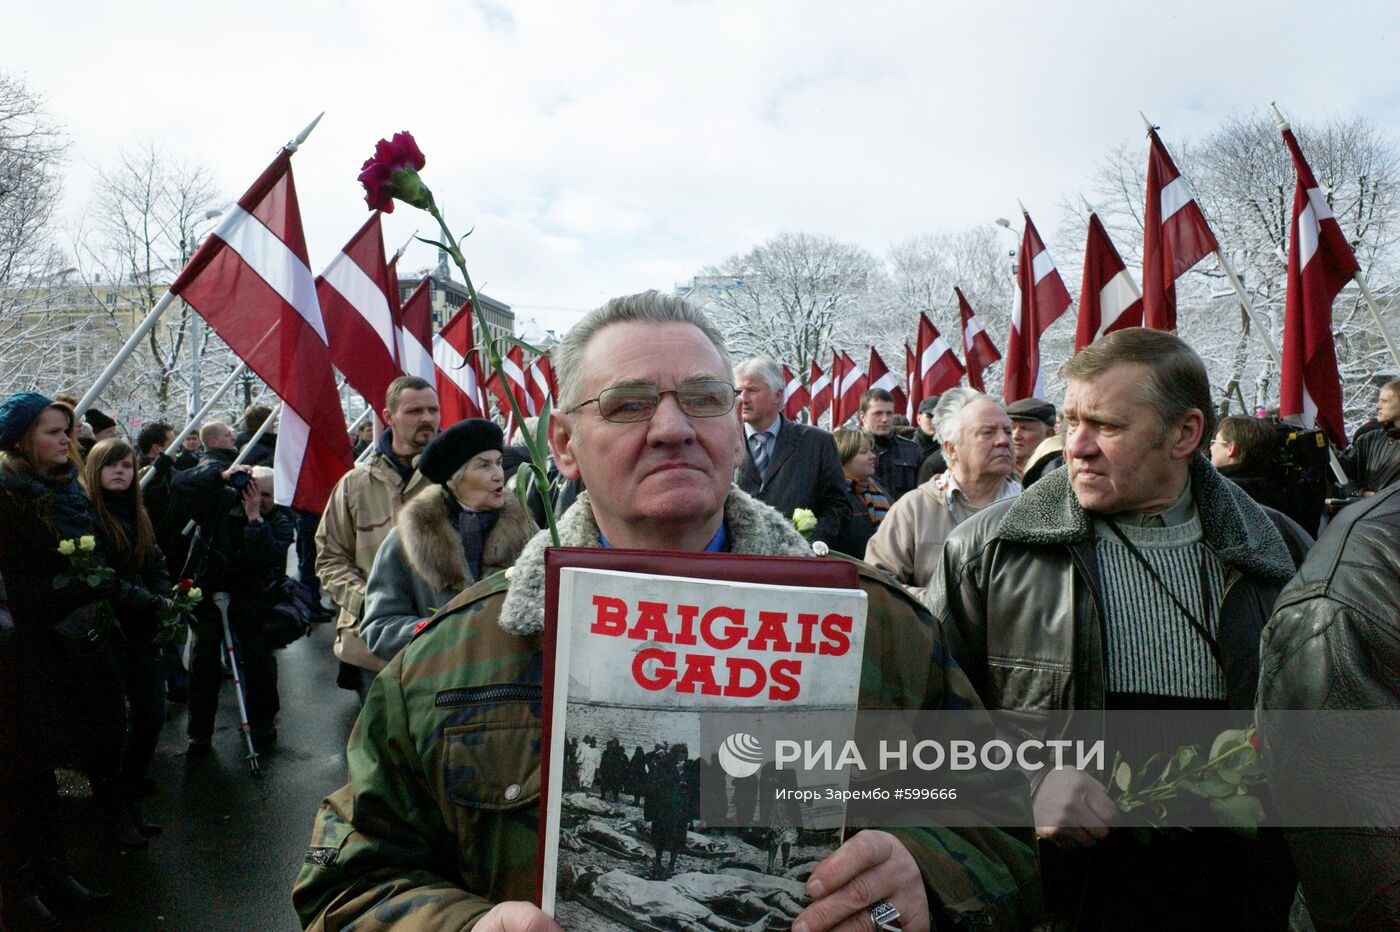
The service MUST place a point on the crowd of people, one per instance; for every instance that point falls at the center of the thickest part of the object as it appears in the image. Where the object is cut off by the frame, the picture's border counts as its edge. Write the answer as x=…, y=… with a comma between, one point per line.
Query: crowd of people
x=1125, y=552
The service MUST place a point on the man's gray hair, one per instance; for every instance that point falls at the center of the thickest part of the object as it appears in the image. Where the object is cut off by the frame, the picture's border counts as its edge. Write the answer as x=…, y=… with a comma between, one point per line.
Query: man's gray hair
x=647, y=307
x=1176, y=379
x=947, y=416
x=765, y=370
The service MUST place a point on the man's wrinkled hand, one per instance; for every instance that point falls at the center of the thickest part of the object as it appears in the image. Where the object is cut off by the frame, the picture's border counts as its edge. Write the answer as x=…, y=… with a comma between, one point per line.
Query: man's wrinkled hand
x=1072, y=809
x=870, y=867
x=516, y=916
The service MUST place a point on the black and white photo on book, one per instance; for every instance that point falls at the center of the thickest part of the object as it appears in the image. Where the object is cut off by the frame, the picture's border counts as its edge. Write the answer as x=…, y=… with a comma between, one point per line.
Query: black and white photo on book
x=665, y=807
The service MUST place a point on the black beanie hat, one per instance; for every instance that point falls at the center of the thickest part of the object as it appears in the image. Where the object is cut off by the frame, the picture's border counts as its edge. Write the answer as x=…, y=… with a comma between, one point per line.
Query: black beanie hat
x=97, y=420
x=450, y=450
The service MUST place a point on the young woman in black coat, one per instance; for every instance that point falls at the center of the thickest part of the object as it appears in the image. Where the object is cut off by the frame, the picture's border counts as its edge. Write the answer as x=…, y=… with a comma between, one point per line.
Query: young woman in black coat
x=128, y=542
x=50, y=696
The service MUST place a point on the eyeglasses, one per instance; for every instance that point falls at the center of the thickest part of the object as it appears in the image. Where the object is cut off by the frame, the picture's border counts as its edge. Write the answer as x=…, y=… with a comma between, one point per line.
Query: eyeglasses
x=628, y=404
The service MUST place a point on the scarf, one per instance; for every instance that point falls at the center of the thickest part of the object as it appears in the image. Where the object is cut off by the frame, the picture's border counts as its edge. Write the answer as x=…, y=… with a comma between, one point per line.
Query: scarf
x=472, y=527
x=59, y=501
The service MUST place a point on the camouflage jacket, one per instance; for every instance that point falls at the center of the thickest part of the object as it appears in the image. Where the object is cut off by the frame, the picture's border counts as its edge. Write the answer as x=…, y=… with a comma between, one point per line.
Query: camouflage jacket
x=439, y=818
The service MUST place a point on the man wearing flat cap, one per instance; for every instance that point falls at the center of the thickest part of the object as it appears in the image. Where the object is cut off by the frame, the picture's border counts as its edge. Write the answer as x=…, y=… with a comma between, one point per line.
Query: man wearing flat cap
x=438, y=825
x=1032, y=420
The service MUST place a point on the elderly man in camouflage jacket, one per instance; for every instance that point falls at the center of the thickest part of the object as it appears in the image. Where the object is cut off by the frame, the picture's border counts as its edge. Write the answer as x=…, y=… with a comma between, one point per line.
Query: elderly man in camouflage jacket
x=437, y=827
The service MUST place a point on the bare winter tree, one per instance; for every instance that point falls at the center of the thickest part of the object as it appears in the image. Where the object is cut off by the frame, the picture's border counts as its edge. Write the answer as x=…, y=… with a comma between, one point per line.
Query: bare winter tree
x=1243, y=178
x=147, y=214
x=792, y=297
x=925, y=269
x=31, y=155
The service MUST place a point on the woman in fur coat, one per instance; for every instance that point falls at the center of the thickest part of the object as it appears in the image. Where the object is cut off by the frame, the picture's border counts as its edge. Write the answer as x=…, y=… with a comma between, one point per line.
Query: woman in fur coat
x=445, y=538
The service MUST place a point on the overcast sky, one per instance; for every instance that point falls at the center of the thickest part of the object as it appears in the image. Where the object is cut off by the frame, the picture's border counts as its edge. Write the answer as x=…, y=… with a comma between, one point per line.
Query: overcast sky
x=604, y=148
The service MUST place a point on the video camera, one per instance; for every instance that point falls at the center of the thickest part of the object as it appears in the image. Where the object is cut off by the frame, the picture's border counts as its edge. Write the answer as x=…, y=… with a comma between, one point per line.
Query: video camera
x=1300, y=466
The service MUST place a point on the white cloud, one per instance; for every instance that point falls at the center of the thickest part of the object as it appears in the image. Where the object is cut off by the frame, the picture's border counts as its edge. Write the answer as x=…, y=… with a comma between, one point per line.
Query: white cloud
x=604, y=148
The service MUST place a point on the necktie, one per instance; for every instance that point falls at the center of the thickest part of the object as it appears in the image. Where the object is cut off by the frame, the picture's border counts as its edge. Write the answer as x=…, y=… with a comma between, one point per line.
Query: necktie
x=758, y=445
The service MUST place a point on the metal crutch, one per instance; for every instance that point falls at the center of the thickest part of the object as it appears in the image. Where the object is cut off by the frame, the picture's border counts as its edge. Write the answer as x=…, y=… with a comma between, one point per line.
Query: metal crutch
x=221, y=602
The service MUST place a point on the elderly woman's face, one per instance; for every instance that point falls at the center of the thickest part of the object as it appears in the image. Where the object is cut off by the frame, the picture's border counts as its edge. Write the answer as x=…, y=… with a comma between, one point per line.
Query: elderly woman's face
x=481, y=485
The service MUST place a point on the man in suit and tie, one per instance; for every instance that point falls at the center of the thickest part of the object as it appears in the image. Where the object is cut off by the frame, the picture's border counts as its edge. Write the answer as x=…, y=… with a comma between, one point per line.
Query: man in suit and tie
x=788, y=465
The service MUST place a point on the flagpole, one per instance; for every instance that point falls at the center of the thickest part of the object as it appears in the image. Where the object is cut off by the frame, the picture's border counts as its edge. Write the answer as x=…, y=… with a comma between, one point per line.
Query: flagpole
x=1376, y=313
x=1249, y=308
x=1283, y=127
x=125, y=352
x=145, y=326
x=1234, y=279
x=199, y=415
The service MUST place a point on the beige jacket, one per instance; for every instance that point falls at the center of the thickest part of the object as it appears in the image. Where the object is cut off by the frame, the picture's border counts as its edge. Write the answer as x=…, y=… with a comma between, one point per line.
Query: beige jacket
x=360, y=514
x=909, y=541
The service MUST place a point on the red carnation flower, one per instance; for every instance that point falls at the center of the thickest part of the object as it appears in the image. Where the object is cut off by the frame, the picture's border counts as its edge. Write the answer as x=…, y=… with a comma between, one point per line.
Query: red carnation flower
x=185, y=585
x=392, y=173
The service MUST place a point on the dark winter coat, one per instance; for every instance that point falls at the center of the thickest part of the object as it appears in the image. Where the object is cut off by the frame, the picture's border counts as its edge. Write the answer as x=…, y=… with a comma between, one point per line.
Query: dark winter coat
x=804, y=471
x=421, y=566
x=897, y=463
x=149, y=586
x=1333, y=644
x=263, y=453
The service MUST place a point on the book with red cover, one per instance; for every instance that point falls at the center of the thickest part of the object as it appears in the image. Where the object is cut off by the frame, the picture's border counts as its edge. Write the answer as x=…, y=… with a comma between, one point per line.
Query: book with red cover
x=801, y=574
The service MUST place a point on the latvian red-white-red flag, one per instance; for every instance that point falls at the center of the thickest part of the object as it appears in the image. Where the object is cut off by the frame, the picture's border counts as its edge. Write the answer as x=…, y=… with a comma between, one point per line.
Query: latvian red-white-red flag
x=1175, y=236
x=848, y=381
x=539, y=385
x=1320, y=263
x=356, y=304
x=939, y=369
x=880, y=376
x=912, y=392
x=795, y=395
x=1043, y=299
x=459, y=382
x=820, y=389
x=1109, y=299
x=978, y=348
x=252, y=283
x=513, y=364
x=415, y=333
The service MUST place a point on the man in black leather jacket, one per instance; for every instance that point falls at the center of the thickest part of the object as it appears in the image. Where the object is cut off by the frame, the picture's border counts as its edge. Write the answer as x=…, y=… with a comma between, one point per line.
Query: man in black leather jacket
x=1333, y=643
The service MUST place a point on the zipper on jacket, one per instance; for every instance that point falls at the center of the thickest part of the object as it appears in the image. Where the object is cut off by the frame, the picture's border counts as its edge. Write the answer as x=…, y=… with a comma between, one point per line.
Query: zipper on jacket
x=474, y=695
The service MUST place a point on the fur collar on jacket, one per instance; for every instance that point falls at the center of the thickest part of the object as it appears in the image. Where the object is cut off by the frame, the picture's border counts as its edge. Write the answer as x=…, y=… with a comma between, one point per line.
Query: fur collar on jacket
x=752, y=526
x=434, y=550
x=1236, y=529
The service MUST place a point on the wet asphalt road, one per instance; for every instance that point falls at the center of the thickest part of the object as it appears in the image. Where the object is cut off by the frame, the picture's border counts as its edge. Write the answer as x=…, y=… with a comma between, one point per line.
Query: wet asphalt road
x=232, y=843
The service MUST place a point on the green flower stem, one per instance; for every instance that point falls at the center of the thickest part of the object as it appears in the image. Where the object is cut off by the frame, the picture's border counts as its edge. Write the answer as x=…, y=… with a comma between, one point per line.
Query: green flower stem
x=487, y=341
x=1151, y=794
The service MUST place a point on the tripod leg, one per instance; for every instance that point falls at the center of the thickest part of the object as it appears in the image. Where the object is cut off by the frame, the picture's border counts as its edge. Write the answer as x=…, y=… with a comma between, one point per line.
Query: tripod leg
x=238, y=688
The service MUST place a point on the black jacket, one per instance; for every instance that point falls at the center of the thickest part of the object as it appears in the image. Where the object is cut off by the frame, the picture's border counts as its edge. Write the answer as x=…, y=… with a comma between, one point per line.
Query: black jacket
x=1373, y=460
x=264, y=453
x=1333, y=643
x=897, y=464
x=803, y=472
x=147, y=586
x=1262, y=488
x=202, y=495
